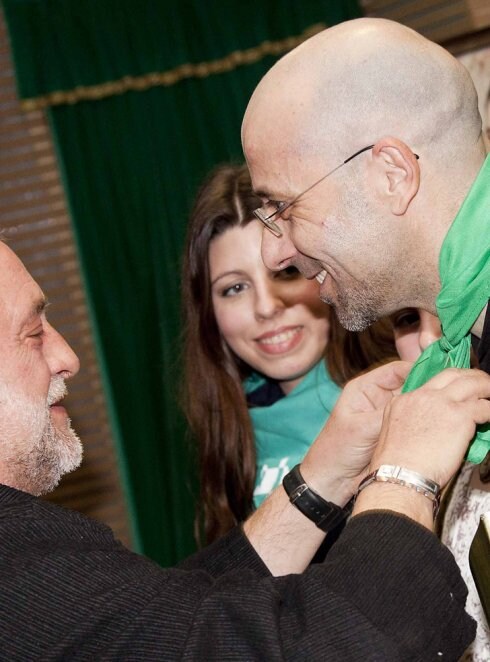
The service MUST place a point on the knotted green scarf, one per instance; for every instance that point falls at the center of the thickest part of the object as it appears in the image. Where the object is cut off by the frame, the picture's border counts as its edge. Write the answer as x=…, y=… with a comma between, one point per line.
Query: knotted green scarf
x=464, y=268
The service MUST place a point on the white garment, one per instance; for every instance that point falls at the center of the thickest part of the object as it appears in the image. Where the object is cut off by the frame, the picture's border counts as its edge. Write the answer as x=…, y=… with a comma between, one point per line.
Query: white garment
x=470, y=498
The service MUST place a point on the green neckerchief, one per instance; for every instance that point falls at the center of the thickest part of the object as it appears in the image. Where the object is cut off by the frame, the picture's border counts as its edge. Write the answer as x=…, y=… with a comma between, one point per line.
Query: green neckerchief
x=285, y=430
x=464, y=268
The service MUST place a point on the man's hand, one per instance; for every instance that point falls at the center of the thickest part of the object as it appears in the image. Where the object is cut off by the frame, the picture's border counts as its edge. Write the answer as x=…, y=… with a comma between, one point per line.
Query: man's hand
x=285, y=539
x=427, y=431
x=338, y=460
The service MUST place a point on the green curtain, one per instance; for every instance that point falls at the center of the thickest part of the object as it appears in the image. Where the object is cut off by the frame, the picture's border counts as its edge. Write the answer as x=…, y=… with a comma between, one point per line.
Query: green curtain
x=131, y=163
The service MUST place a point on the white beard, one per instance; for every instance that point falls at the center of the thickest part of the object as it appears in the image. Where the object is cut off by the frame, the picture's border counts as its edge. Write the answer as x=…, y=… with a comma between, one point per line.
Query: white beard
x=34, y=453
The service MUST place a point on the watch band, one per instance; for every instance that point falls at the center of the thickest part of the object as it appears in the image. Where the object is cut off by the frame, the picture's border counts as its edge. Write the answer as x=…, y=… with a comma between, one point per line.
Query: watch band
x=325, y=514
x=389, y=473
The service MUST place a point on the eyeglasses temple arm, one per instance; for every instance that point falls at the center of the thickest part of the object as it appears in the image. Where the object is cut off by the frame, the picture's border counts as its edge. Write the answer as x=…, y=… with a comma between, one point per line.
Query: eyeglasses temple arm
x=364, y=149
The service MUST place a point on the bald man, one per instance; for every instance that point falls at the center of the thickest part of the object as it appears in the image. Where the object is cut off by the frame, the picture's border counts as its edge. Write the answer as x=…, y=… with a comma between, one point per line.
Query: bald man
x=371, y=231
x=365, y=144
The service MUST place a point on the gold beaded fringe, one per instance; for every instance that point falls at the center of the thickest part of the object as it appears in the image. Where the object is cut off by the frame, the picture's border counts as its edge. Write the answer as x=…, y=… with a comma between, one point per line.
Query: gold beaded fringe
x=172, y=76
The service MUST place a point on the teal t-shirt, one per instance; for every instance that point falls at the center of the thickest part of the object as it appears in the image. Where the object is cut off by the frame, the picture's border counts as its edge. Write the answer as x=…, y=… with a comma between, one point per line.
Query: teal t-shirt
x=286, y=429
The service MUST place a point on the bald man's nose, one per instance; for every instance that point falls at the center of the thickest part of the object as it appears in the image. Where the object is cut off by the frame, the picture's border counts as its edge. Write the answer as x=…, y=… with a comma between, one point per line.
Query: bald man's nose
x=277, y=252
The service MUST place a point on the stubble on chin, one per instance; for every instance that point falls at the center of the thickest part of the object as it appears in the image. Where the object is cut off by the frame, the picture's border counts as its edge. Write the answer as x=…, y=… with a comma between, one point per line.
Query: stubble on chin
x=356, y=307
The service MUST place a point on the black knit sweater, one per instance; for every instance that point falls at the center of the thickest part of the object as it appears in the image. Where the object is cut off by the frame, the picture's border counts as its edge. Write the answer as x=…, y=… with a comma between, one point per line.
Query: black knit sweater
x=388, y=591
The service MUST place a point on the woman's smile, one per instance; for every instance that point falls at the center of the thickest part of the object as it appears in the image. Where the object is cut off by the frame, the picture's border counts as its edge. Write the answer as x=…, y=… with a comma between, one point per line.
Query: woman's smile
x=274, y=321
x=281, y=340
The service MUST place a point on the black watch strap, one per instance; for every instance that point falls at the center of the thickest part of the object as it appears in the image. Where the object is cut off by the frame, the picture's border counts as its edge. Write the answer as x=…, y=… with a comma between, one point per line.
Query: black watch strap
x=325, y=514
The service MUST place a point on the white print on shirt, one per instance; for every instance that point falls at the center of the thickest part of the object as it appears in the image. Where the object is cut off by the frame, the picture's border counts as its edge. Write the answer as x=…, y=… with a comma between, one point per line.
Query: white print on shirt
x=271, y=477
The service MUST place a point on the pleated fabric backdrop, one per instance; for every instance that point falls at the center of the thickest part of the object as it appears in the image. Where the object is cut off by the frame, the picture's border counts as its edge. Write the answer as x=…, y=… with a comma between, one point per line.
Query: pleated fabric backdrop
x=143, y=98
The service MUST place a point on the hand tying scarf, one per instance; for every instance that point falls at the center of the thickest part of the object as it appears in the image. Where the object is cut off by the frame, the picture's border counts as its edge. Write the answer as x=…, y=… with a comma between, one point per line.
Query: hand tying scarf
x=464, y=268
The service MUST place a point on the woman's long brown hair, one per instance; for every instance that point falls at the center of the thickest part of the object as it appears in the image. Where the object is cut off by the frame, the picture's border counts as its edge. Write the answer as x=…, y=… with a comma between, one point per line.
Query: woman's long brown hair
x=214, y=400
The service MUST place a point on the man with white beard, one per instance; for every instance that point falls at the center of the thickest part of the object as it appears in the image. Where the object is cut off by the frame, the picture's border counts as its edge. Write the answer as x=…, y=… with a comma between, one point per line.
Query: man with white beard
x=37, y=443
x=41, y=456
x=70, y=591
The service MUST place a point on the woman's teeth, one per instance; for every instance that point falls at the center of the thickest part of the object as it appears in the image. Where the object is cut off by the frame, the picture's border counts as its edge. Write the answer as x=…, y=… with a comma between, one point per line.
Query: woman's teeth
x=321, y=276
x=279, y=338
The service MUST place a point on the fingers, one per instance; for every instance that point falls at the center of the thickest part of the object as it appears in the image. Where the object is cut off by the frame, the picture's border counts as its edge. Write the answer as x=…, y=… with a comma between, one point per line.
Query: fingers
x=375, y=389
x=390, y=376
x=429, y=429
x=372, y=390
x=481, y=412
x=461, y=383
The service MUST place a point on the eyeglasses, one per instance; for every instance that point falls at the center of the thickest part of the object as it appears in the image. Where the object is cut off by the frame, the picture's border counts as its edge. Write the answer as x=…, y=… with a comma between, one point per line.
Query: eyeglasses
x=266, y=213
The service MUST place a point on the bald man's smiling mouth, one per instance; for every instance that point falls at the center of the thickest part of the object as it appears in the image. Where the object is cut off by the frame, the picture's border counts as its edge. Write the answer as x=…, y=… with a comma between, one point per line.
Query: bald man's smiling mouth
x=320, y=277
x=326, y=286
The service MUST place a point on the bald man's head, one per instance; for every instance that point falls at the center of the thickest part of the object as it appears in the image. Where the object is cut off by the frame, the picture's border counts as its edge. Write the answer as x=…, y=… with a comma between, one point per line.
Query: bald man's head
x=376, y=226
x=358, y=81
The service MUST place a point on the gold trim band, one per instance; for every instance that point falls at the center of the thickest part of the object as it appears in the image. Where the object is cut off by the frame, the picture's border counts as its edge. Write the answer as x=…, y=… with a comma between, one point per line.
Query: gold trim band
x=172, y=76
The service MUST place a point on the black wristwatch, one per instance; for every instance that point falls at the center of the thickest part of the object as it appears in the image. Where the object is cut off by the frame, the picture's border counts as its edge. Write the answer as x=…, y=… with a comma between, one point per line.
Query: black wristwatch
x=325, y=514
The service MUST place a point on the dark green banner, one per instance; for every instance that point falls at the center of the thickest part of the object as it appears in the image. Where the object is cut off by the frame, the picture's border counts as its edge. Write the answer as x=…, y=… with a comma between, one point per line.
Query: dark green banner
x=131, y=160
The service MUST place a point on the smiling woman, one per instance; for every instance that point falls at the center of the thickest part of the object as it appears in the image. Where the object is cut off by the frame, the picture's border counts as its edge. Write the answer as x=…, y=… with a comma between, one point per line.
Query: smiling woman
x=273, y=320
x=265, y=359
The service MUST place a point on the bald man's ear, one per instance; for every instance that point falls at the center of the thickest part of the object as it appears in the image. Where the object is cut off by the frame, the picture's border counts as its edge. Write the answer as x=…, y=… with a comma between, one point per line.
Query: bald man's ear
x=397, y=174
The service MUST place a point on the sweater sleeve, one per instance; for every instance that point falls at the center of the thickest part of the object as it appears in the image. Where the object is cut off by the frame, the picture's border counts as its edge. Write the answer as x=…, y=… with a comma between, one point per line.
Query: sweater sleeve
x=232, y=552
x=388, y=591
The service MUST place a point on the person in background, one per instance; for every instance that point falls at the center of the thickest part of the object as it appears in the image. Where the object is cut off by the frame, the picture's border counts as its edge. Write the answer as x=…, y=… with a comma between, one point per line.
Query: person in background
x=414, y=330
x=467, y=496
x=265, y=359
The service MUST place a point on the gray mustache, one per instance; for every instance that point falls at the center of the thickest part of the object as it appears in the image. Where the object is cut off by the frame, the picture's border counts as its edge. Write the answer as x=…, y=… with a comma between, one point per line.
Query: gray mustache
x=57, y=390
